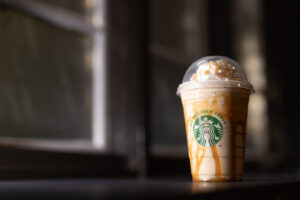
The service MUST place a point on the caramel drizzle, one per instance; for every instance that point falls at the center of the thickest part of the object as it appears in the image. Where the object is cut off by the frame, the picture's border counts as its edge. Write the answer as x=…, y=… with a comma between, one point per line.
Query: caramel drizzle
x=218, y=170
x=217, y=160
x=203, y=150
x=195, y=163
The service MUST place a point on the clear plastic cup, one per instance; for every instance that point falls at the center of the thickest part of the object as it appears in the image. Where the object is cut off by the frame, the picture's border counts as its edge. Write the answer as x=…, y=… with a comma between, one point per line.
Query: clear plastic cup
x=215, y=95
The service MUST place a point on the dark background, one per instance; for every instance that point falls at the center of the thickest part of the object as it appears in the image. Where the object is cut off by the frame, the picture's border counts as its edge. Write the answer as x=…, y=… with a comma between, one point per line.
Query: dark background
x=46, y=81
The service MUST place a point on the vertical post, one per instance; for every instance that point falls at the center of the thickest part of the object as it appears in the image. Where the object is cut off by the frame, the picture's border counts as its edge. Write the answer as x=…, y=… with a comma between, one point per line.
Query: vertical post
x=220, y=28
x=126, y=76
x=138, y=36
x=99, y=78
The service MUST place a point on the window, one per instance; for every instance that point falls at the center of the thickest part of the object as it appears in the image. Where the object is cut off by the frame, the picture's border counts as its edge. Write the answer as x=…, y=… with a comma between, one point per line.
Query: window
x=53, y=74
x=61, y=106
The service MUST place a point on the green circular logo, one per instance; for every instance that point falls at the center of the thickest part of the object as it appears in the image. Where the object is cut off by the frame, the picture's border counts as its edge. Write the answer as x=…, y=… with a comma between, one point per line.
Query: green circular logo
x=208, y=130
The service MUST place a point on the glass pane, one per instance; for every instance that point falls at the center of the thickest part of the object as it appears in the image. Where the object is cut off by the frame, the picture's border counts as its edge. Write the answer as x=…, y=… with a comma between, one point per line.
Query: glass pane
x=45, y=80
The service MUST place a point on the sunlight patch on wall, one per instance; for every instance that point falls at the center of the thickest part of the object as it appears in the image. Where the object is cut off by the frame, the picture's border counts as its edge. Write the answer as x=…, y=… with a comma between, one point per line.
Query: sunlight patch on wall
x=247, y=21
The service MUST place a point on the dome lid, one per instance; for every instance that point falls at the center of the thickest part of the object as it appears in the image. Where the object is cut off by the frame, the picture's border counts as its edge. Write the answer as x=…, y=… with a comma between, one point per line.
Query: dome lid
x=215, y=71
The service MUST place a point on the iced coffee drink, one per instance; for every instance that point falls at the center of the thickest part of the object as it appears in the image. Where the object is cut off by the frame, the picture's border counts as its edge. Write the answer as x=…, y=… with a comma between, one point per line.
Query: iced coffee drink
x=215, y=94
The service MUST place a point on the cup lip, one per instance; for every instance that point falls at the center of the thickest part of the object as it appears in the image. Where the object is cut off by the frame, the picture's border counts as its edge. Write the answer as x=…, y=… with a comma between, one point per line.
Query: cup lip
x=214, y=84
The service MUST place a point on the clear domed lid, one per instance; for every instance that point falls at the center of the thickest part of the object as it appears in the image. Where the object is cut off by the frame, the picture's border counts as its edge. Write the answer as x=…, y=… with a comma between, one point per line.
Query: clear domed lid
x=215, y=71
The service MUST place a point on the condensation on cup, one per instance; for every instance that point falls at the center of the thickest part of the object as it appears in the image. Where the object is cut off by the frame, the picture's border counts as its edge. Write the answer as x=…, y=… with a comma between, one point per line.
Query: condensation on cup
x=215, y=94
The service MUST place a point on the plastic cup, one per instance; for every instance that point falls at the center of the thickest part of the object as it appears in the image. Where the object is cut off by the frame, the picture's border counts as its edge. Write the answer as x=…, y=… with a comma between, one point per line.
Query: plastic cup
x=215, y=95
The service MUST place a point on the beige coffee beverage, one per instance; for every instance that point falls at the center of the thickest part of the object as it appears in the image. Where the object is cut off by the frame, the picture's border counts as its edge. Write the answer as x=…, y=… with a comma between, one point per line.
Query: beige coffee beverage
x=215, y=94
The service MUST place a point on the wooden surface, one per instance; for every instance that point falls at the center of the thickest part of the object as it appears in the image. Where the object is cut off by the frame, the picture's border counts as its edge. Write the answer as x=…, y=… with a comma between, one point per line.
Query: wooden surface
x=149, y=189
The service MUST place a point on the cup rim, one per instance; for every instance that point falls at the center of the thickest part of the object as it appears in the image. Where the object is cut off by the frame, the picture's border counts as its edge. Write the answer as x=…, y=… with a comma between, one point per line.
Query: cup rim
x=214, y=84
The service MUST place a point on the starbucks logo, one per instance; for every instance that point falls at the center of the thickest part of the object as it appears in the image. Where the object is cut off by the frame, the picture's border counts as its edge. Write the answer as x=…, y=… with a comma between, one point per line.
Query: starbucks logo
x=207, y=130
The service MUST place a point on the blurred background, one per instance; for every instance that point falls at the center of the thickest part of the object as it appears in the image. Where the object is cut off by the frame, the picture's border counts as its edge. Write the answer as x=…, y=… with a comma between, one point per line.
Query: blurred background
x=88, y=87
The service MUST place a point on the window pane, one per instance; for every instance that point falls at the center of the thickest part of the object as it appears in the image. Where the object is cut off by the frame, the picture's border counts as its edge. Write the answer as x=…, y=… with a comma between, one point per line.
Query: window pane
x=45, y=80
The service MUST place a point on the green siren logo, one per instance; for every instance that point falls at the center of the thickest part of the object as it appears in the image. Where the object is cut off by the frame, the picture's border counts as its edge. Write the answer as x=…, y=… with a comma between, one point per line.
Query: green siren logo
x=208, y=129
